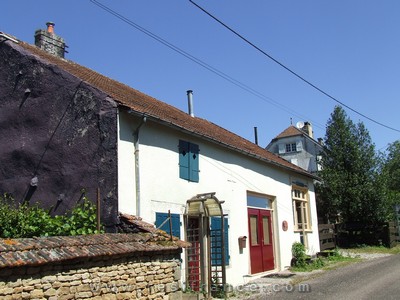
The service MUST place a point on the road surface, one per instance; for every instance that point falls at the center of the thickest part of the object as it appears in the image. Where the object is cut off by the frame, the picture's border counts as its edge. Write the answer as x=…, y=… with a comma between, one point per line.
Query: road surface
x=374, y=279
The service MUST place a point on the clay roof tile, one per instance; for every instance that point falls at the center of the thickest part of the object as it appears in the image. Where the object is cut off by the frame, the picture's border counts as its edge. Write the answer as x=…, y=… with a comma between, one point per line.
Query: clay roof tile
x=161, y=111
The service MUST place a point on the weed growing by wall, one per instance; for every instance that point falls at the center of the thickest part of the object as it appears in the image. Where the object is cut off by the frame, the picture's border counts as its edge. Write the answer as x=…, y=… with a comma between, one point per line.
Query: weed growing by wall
x=24, y=220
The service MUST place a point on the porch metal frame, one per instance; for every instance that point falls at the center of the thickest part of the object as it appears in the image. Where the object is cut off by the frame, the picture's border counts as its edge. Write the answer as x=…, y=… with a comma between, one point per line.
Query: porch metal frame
x=204, y=206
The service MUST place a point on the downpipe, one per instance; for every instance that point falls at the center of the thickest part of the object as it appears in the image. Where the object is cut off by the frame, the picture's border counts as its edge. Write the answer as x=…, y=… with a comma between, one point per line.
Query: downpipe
x=136, y=143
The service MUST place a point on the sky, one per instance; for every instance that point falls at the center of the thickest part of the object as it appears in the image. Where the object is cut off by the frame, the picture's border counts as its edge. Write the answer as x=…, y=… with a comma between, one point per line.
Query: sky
x=350, y=49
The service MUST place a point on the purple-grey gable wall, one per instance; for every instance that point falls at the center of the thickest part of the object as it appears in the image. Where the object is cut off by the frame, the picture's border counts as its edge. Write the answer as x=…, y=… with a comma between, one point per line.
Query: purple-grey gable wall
x=58, y=129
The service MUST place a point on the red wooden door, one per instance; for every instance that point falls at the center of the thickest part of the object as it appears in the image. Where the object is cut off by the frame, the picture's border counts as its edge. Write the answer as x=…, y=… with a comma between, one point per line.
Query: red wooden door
x=261, y=242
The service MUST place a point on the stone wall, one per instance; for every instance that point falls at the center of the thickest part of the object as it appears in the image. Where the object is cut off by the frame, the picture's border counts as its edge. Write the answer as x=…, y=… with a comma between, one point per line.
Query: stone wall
x=104, y=266
x=122, y=278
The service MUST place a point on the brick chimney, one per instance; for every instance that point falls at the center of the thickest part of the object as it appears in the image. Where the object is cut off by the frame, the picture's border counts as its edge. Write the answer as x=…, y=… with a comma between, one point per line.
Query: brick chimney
x=49, y=41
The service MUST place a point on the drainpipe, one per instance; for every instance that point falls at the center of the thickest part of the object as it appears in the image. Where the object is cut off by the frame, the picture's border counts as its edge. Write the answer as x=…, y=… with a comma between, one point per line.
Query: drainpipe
x=137, y=165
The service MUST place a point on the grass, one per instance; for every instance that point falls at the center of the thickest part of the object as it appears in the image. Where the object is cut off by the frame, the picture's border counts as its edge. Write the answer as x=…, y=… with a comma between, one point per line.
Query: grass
x=375, y=249
x=307, y=273
x=334, y=259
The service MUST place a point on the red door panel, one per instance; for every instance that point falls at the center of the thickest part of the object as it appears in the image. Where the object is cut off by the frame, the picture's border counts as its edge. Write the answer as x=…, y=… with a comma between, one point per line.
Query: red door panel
x=260, y=240
x=268, y=251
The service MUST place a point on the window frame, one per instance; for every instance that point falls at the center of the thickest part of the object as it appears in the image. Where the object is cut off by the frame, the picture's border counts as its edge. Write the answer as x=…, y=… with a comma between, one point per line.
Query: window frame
x=290, y=147
x=319, y=162
x=301, y=200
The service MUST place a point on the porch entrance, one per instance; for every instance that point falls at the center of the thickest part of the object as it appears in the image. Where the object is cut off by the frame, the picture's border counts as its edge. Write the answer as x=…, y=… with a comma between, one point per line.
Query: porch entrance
x=193, y=236
x=206, y=257
x=261, y=241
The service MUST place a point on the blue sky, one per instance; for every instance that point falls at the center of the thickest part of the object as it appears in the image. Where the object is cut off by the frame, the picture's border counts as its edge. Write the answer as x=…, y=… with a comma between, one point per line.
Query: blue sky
x=348, y=48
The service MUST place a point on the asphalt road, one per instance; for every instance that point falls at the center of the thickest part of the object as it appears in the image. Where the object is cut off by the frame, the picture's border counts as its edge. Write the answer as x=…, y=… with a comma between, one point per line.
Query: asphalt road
x=375, y=279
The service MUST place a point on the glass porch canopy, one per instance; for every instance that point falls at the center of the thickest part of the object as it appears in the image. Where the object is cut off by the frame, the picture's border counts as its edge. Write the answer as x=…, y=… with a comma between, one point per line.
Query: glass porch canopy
x=204, y=204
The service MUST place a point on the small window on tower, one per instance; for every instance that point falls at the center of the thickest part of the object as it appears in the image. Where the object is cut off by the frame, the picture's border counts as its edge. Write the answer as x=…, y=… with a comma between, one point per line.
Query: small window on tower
x=291, y=147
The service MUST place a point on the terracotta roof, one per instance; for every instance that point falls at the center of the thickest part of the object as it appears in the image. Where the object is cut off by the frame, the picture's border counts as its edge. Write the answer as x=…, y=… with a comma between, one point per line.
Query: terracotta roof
x=133, y=224
x=42, y=250
x=290, y=131
x=161, y=111
x=293, y=131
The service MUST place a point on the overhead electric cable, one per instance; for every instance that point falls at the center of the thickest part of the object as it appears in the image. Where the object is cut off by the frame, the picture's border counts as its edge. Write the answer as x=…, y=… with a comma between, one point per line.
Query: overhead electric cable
x=202, y=63
x=290, y=70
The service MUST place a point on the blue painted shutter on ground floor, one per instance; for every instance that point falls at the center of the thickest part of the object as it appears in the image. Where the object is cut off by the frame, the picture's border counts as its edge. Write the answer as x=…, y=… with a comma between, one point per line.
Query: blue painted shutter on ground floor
x=216, y=255
x=176, y=223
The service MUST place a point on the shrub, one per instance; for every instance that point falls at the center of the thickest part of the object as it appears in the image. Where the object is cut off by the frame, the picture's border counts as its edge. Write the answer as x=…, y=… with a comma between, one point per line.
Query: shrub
x=299, y=254
x=24, y=221
x=82, y=219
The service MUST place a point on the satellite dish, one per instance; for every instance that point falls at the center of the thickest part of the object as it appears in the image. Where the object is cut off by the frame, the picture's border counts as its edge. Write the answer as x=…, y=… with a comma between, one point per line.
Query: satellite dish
x=300, y=125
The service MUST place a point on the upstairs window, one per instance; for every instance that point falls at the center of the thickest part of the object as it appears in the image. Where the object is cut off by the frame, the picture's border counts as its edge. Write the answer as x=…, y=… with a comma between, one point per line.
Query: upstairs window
x=290, y=147
x=319, y=162
x=188, y=161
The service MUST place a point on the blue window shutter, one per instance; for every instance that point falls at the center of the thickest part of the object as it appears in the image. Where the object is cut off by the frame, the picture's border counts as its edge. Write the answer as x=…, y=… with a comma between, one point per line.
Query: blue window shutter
x=176, y=223
x=194, y=162
x=184, y=154
x=188, y=161
x=216, y=225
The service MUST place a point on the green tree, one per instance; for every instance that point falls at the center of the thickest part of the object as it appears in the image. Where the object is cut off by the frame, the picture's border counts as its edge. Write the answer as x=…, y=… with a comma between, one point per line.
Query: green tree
x=350, y=187
x=391, y=174
x=392, y=166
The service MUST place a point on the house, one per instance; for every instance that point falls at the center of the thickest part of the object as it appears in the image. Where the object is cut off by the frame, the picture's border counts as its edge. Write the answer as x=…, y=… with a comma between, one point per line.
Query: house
x=297, y=145
x=66, y=128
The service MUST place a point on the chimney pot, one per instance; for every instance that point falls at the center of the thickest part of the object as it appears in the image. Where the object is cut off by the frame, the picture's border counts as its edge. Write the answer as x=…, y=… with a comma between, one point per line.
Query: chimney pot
x=50, y=27
x=255, y=136
x=190, y=102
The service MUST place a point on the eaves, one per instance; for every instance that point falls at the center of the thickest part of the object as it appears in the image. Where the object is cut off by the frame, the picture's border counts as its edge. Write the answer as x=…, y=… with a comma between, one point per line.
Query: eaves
x=208, y=138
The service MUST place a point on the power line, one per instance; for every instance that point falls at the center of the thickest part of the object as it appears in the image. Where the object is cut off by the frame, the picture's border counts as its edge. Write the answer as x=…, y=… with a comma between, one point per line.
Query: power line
x=202, y=63
x=290, y=70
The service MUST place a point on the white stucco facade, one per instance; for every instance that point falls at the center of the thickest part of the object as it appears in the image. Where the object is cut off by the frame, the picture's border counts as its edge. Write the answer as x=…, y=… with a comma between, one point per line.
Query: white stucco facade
x=228, y=173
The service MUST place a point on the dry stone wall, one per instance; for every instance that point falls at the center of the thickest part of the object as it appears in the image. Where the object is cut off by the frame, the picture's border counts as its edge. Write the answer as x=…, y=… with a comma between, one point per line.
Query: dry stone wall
x=100, y=266
x=156, y=277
